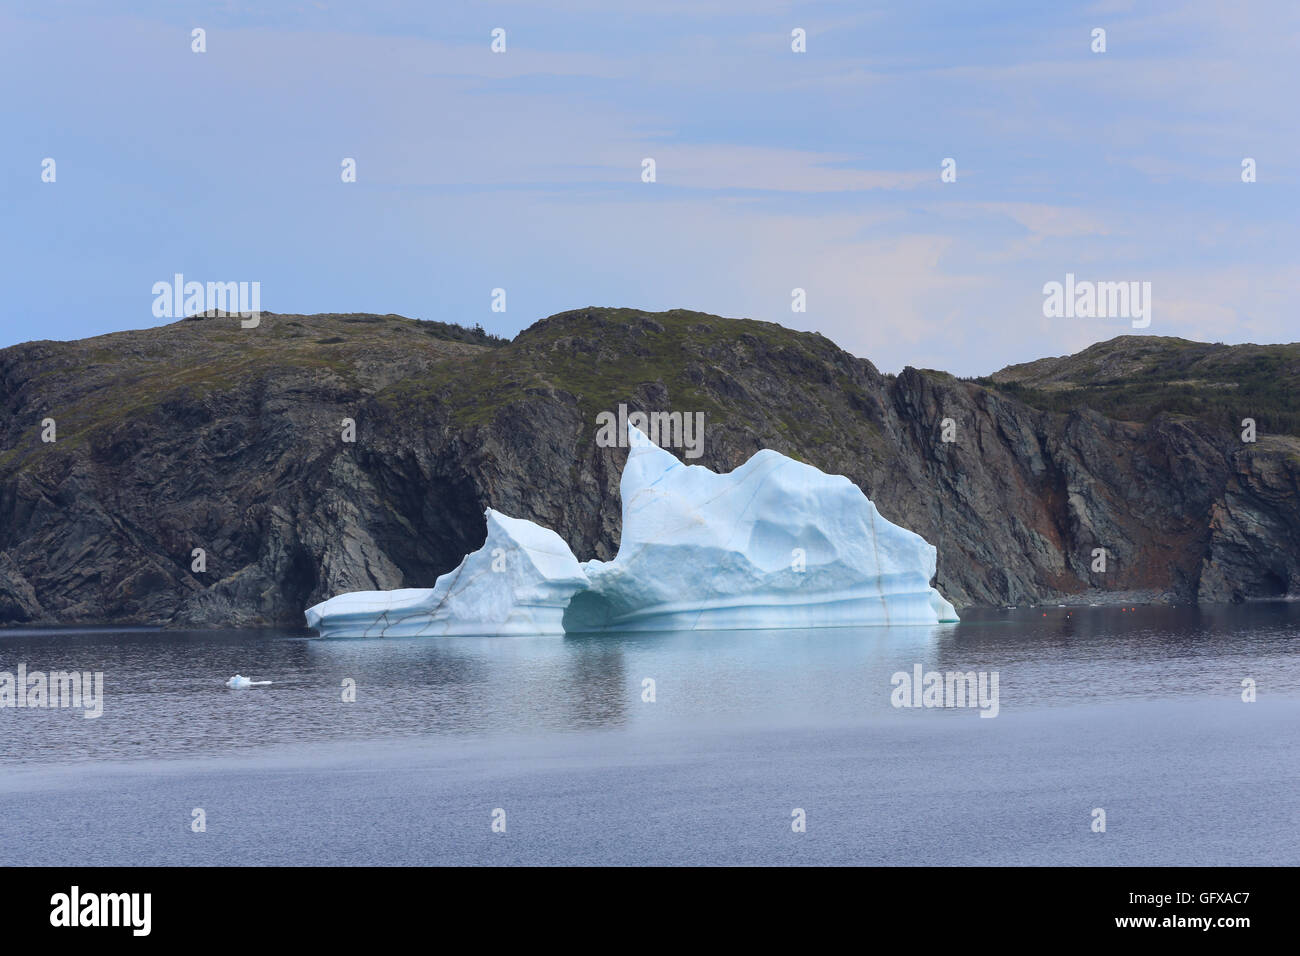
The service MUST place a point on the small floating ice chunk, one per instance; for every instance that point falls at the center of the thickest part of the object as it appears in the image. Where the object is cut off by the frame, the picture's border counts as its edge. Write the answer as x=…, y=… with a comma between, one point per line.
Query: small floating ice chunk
x=239, y=683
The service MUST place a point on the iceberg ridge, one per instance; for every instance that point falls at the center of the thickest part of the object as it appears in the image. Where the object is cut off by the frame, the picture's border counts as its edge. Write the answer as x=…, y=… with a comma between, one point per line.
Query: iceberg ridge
x=774, y=544
x=519, y=582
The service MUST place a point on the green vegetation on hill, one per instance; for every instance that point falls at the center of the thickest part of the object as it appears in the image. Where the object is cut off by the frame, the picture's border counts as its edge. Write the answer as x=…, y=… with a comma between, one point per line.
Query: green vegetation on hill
x=460, y=333
x=1135, y=378
x=603, y=356
x=109, y=381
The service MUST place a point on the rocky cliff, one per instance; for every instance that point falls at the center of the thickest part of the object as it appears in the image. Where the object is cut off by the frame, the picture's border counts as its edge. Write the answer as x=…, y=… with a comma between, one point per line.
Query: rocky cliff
x=123, y=455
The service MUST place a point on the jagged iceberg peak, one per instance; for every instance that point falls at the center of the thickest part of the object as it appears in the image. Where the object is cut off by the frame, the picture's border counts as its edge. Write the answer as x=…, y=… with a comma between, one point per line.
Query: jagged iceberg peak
x=519, y=582
x=774, y=543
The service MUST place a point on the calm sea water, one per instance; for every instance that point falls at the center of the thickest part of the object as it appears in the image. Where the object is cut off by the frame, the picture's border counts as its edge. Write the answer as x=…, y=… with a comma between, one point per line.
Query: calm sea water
x=1137, y=712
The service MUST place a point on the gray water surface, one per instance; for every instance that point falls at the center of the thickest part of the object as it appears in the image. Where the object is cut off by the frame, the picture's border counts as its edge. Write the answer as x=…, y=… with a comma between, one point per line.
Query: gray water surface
x=1138, y=712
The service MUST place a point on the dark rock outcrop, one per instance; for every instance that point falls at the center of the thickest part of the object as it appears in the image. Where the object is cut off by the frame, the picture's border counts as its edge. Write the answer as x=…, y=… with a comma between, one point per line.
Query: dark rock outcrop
x=203, y=435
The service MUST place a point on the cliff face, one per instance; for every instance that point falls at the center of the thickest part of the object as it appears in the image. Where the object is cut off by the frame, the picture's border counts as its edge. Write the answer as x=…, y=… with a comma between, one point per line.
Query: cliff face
x=203, y=435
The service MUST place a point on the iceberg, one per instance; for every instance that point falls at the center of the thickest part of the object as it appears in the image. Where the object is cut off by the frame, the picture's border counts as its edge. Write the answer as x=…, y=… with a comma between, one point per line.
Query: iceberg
x=774, y=544
x=519, y=582
x=240, y=683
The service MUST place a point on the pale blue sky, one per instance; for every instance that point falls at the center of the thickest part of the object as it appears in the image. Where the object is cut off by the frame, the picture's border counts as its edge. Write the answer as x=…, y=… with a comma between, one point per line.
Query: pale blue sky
x=775, y=169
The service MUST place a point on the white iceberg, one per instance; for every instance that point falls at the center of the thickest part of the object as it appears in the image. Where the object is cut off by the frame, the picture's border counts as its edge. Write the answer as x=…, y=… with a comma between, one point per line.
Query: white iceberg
x=240, y=683
x=519, y=582
x=774, y=544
